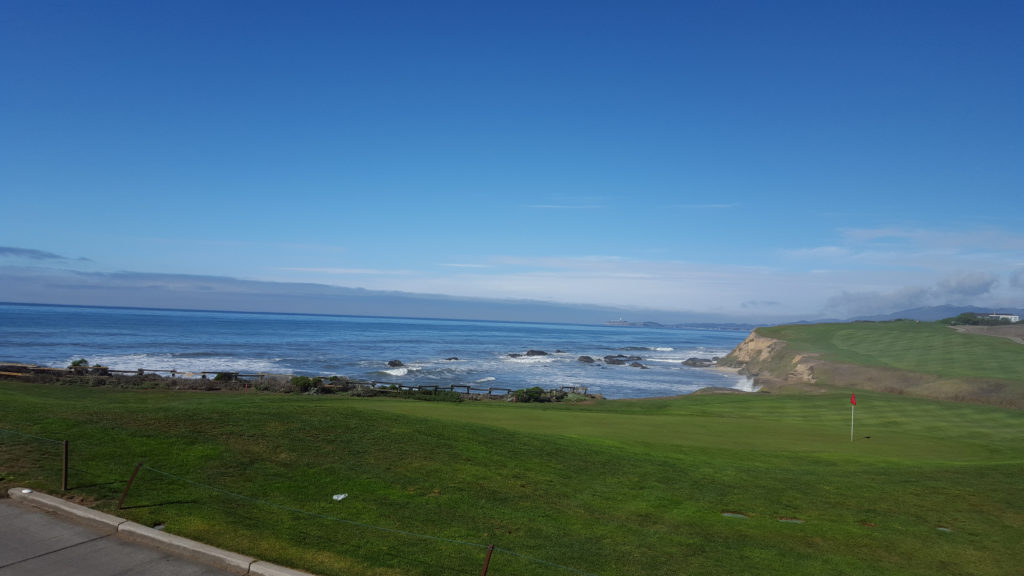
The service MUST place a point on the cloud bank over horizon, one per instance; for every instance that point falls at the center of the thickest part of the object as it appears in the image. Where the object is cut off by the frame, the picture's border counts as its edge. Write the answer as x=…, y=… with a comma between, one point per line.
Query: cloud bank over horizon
x=670, y=292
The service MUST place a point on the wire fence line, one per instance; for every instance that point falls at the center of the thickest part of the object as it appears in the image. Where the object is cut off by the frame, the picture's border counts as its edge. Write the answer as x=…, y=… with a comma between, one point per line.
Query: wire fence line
x=306, y=513
x=22, y=434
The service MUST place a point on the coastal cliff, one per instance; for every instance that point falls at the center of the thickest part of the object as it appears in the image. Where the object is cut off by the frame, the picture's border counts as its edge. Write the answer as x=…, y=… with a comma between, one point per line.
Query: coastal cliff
x=805, y=361
x=770, y=363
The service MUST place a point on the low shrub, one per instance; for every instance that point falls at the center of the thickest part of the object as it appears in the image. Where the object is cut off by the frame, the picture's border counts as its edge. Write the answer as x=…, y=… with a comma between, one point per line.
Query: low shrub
x=535, y=394
x=432, y=396
x=305, y=383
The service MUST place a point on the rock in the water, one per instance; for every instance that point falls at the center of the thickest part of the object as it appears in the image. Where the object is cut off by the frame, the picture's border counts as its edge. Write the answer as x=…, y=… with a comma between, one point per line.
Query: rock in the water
x=586, y=359
x=620, y=359
x=536, y=353
x=395, y=363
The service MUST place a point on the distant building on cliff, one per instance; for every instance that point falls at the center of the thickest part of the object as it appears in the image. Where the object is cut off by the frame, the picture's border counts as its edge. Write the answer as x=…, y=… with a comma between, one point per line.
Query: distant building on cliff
x=1014, y=318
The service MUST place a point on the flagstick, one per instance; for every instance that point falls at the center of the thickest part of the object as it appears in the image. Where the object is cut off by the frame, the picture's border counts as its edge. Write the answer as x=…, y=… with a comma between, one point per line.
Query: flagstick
x=852, y=407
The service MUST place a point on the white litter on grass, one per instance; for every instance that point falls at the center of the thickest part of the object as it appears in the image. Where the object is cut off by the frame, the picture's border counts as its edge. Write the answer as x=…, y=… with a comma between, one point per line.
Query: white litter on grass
x=340, y=497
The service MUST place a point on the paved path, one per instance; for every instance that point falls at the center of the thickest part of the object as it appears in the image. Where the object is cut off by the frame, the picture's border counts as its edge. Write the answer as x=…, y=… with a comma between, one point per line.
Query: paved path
x=36, y=542
x=46, y=536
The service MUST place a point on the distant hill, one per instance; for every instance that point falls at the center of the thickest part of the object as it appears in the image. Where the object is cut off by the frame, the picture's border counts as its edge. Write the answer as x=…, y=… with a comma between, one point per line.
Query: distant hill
x=934, y=313
x=685, y=325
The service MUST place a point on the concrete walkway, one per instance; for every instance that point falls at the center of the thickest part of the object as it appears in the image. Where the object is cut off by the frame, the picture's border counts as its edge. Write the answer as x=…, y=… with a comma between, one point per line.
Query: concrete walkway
x=47, y=536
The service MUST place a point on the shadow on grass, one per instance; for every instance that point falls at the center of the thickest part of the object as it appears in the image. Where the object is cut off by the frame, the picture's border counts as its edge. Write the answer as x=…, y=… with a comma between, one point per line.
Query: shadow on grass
x=95, y=485
x=158, y=504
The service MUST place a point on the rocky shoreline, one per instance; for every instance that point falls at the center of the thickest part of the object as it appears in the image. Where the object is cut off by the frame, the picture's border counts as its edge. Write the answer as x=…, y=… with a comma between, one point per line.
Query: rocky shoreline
x=81, y=372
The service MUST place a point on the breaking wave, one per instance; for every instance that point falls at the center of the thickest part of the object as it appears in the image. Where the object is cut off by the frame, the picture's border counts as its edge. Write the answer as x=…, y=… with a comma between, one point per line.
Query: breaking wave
x=192, y=362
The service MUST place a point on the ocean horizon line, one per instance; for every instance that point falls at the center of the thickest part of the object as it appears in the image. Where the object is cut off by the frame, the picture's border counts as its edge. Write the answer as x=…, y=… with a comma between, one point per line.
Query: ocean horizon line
x=310, y=314
x=728, y=326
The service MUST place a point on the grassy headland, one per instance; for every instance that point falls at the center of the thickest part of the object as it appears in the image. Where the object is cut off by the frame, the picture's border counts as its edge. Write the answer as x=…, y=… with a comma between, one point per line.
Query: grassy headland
x=926, y=359
x=609, y=487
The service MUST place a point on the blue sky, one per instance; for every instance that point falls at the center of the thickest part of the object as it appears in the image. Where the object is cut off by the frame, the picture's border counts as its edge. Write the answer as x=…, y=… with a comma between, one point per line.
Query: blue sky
x=760, y=160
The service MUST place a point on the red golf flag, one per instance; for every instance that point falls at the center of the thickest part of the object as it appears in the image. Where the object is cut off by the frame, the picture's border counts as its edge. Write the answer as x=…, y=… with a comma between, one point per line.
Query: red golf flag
x=853, y=399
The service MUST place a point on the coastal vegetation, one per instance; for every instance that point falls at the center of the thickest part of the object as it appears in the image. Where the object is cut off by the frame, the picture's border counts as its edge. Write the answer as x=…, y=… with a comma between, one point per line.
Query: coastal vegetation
x=974, y=319
x=702, y=484
x=80, y=373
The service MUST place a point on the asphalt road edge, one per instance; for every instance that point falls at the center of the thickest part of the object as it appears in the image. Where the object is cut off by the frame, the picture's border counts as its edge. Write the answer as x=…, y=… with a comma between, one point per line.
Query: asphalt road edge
x=170, y=543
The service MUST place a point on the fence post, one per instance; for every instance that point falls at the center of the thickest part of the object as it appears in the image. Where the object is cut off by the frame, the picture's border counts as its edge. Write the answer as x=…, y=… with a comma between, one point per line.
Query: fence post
x=64, y=479
x=487, y=560
x=129, y=486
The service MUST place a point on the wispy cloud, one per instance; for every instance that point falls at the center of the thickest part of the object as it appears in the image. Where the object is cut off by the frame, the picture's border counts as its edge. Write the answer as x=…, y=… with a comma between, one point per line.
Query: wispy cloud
x=856, y=272
x=561, y=202
x=941, y=251
x=860, y=235
x=959, y=240
x=760, y=304
x=615, y=281
x=887, y=269
x=708, y=206
x=964, y=288
x=29, y=254
x=1017, y=278
x=967, y=285
x=820, y=252
x=351, y=271
x=564, y=206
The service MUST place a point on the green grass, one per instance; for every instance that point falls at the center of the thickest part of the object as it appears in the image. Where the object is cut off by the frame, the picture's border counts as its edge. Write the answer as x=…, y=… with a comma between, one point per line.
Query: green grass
x=924, y=347
x=624, y=487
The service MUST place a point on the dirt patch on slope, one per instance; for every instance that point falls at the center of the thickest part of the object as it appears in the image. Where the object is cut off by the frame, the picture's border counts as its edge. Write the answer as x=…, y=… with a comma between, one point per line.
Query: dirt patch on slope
x=753, y=350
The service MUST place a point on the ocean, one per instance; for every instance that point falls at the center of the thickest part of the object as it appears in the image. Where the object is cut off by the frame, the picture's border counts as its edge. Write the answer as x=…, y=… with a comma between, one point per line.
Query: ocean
x=433, y=352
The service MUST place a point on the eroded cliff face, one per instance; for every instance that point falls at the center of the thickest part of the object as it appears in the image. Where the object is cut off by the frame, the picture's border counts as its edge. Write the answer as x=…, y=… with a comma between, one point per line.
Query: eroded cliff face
x=754, y=349
x=769, y=363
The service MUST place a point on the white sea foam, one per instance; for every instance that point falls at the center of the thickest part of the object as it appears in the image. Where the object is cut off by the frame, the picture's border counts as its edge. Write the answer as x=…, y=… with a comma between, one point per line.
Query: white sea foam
x=746, y=384
x=531, y=359
x=167, y=362
x=487, y=379
x=663, y=359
